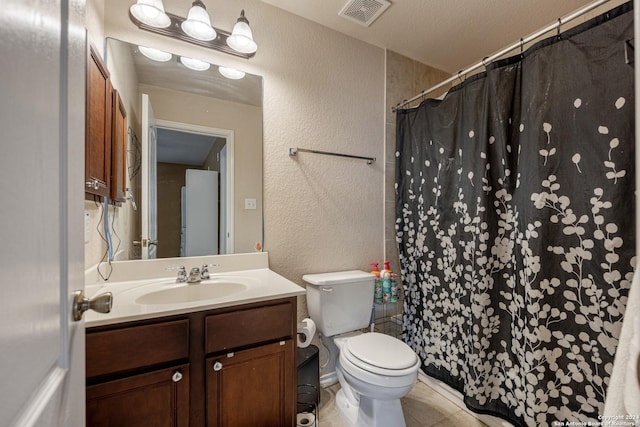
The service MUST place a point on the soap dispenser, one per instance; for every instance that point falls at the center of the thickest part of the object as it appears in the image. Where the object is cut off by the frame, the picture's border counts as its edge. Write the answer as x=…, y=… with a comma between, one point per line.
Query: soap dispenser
x=386, y=282
x=377, y=289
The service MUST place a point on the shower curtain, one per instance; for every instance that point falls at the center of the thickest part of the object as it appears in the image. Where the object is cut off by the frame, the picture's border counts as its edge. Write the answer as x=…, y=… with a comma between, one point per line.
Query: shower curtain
x=515, y=225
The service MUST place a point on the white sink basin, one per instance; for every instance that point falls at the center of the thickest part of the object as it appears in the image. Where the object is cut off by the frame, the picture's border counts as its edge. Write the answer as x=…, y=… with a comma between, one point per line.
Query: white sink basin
x=152, y=297
x=187, y=293
x=168, y=292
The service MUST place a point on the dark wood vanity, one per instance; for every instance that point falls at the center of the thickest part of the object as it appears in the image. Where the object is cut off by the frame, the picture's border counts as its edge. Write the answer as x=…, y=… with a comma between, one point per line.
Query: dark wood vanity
x=232, y=366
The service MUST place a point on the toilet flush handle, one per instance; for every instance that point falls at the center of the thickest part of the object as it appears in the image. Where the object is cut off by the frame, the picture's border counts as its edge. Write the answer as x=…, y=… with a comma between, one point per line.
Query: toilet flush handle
x=327, y=289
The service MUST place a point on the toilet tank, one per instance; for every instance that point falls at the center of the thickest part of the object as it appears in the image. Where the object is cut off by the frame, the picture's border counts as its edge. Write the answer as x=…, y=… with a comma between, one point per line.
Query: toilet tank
x=341, y=301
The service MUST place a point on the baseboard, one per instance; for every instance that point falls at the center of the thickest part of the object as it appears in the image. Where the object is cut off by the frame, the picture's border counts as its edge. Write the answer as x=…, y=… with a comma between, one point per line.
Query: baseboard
x=456, y=398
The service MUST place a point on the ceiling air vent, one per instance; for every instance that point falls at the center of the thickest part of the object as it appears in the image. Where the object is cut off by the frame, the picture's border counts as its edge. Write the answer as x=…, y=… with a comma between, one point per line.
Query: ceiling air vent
x=364, y=12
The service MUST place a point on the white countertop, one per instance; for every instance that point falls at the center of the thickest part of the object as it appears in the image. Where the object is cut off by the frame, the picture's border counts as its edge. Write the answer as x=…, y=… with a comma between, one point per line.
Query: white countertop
x=130, y=297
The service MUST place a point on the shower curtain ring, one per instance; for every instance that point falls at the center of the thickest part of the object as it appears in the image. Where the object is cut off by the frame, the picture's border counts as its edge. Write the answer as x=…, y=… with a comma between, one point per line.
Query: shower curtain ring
x=484, y=62
x=521, y=45
x=459, y=77
x=559, y=25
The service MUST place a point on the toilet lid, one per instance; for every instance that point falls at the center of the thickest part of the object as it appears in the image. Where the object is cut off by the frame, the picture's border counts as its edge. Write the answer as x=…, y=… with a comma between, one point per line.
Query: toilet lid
x=380, y=350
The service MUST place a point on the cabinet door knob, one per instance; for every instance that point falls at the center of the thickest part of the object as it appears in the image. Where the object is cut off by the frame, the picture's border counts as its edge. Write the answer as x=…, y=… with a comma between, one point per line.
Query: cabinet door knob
x=217, y=366
x=177, y=376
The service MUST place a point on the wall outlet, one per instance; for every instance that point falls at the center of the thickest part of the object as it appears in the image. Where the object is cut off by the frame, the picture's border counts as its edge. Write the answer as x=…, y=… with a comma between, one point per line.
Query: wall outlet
x=250, y=204
x=87, y=227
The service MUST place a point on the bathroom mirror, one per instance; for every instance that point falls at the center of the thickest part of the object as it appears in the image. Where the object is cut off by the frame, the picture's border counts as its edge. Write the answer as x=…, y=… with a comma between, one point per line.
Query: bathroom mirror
x=205, y=132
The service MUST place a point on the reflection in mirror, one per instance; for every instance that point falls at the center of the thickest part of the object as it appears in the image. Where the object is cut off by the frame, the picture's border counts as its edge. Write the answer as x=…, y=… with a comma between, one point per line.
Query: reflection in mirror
x=194, y=155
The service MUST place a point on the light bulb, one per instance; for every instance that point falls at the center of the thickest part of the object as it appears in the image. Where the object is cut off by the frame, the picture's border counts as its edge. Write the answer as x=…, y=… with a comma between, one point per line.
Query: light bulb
x=231, y=73
x=241, y=38
x=194, y=64
x=155, y=54
x=198, y=23
x=150, y=12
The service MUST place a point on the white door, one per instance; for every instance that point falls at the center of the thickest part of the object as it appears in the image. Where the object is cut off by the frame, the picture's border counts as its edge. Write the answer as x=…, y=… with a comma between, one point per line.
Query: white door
x=41, y=182
x=149, y=208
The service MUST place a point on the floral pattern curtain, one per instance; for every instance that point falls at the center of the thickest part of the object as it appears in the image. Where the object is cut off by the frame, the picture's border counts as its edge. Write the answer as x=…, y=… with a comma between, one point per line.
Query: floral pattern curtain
x=515, y=225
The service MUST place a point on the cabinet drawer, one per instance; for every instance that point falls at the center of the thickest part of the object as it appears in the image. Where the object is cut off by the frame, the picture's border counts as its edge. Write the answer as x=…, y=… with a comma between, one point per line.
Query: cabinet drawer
x=135, y=347
x=228, y=331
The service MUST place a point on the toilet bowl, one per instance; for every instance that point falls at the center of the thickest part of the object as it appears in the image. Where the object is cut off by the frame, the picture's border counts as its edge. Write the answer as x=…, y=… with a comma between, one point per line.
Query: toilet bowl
x=374, y=370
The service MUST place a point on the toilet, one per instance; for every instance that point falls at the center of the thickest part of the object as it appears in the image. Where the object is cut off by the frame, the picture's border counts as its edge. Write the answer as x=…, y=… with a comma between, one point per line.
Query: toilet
x=374, y=370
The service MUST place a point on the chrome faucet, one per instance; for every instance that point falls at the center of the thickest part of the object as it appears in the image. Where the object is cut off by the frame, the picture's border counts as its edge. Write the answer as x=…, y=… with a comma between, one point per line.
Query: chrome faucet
x=194, y=275
x=204, y=271
x=182, y=274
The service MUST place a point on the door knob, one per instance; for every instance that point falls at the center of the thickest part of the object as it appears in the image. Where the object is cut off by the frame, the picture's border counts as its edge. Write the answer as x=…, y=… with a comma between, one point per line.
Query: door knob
x=101, y=303
x=217, y=366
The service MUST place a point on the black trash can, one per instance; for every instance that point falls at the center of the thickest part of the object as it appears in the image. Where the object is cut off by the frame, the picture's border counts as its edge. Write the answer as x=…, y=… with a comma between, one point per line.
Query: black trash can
x=308, y=379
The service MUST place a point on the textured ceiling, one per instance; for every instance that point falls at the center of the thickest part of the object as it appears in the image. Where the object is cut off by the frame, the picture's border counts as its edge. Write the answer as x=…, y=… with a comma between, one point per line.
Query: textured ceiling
x=446, y=34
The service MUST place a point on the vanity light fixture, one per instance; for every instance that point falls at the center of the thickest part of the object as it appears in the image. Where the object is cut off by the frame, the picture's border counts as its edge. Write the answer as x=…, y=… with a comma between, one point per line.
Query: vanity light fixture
x=241, y=38
x=231, y=73
x=150, y=12
x=155, y=54
x=194, y=64
x=198, y=23
x=196, y=28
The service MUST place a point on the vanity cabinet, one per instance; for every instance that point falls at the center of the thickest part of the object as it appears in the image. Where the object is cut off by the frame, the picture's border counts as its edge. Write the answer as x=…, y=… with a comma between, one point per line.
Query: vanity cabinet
x=253, y=386
x=98, y=126
x=233, y=366
x=137, y=375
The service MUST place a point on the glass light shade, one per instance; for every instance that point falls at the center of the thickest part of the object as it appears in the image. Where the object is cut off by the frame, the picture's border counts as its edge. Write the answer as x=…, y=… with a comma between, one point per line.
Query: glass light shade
x=194, y=64
x=231, y=73
x=150, y=12
x=155, y=54
x=241, y=38
x=198, y=23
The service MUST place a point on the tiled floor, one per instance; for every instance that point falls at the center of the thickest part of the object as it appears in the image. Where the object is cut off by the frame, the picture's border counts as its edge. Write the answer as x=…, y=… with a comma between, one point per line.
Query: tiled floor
x=422, y=407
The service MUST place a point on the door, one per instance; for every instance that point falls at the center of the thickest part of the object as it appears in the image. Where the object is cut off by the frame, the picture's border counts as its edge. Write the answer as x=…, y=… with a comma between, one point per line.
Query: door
x=253, y=387
x=156, y=398
x=149, y=205
x=41, y=178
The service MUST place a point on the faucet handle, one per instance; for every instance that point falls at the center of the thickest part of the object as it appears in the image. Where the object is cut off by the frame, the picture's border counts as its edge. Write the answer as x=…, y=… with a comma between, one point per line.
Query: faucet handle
x=204, y=272
x=182, y=273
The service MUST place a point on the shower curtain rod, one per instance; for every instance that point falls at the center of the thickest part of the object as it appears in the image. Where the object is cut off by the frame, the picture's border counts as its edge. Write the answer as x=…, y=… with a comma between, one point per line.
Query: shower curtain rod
x=519, y=44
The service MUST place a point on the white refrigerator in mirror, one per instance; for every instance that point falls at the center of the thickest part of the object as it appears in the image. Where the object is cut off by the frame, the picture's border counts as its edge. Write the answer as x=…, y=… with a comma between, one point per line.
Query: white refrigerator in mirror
x=200, y=213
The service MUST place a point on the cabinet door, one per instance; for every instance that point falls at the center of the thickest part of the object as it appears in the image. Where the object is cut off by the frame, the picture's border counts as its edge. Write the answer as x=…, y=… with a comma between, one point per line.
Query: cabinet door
x=158, y=398
x=254, y=387
x=98, y=126
x=118, y=149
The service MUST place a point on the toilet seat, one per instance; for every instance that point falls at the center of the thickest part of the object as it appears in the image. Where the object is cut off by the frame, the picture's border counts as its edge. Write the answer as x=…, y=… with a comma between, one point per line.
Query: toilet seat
x=380, y=353
x=365, y=359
